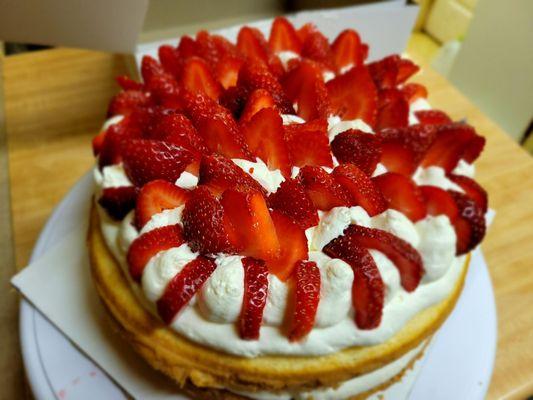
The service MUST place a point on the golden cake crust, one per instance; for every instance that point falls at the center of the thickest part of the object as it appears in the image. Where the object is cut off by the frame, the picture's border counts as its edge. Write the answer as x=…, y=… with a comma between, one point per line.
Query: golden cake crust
x=193, y=366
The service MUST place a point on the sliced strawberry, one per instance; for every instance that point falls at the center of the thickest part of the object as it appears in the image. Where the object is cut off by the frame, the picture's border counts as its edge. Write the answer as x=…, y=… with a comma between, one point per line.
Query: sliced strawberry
x=474, y=149
x=170, y=60
x=414, y=91
x=393, y=110
x=353, y=95
x=126, y=83
x=323, y=189
x=306, y=298
x=346, y=49
x=227, y=71
x=305, y=31
x=218, y=173
x=118, y=201
x=305, y=87
x=316, y=47
x=293, y=246
x=234, y=99
x=391, y=71
x=149, y=244
x=283, y=37
x=401, y=253
x=361, y=189
x=358, y=148
x=448, y=148
x=398, y=158
x=255, y=297
x=439, y=202
x=247, y=210
x=292, y=200
x=217, y=126
x=472, y=189
x=155, y=197
x=432, y=117
x=205, y=224
x=98, y=142
x=208, y=49
x=148, y=160
x=164, y=91
x=187, y=47
x=258, y=99
x=308, y=144
x=264, y=136
x=183, y=287
x=402, y=194
x=416, y=138
x=470, y=227
x=123, y=103
x=175, y=128
x=150, y=68
x=197, y=78
x=368, y=290
x=111, y=149
x=253, y=75
x=252, y=44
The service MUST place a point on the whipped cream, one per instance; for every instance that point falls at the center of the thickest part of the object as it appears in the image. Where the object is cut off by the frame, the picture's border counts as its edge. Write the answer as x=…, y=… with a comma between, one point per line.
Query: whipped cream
x=211, y=315
x=286, y=56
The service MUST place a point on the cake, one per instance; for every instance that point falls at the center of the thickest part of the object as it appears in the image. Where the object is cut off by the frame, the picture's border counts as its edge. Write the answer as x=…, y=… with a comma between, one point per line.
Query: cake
x=280, y=218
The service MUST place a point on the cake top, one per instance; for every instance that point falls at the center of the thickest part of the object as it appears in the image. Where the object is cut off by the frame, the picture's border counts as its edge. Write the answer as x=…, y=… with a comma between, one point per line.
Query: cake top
x=275, y=136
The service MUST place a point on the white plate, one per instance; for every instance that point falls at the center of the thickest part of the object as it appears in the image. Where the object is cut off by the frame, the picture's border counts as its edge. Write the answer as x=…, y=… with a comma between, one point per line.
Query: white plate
x=458, y=364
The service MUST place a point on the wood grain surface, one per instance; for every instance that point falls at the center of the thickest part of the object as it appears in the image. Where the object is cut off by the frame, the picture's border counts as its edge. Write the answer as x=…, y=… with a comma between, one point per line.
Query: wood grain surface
x=55, y=101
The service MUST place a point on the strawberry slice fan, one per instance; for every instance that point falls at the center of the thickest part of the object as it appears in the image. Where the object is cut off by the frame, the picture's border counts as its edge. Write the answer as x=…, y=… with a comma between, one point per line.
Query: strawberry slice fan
x=208, y=101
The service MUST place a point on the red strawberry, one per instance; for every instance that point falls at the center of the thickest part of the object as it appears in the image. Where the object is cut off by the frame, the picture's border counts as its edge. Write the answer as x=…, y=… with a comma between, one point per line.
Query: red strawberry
x=439, y=202
x=305, y=31
x=248, y=212
x=323, y=189
x=213, y=47
x=164, y=91
x=148, y=160
x=306, y=298
x=187, y=47
x=205, y=224
x=175, y=128
x=353, y=95
x=361, y=189
x=305, y=87
x=264, y=136
x=470, y=227
x=346, y=49
x=255, y=297
x=252, y=44
x=391, y=71
x=316, y=47
x=234, y=99
x=414, y=91
x=416, y=138
x=218, y=173
x=253, y=75
x=149, y=244
x=398, y=158
x=170, y=60
x=258, y=100
x=293, y=246
x=126, y=83
x=368, y=290
x=292, y=200
x=402, y=194
x=448, y=148
x=393, y=110
x=227, y=71
x=283, y=37
x=115, y=135
x=472, y=189
x=358, y=148
x=98, y=142
x=155, y=197
x=124, y=103
x=308, y=143
x=432, y=117
x=474, y=148
x=401, y=253
x=118, y=201
x=217, y=126
x=183, y=287
x=150, y=68
x=197, y=78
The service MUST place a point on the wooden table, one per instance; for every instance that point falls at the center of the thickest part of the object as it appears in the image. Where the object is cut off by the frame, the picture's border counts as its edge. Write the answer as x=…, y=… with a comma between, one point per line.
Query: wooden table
x=55, y=101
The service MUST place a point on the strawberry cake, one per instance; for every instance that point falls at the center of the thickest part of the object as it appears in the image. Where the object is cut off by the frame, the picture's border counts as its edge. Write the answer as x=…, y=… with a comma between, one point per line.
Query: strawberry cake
x=278, y=218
